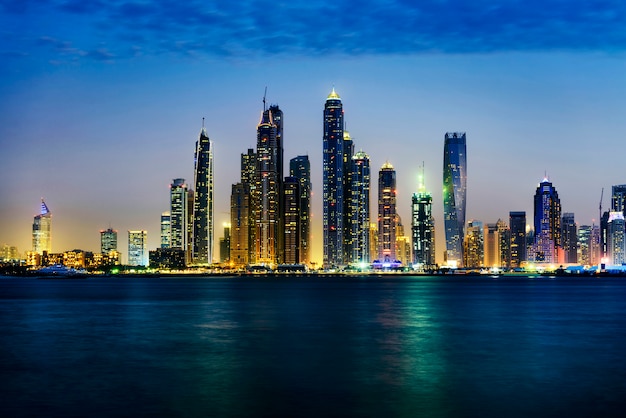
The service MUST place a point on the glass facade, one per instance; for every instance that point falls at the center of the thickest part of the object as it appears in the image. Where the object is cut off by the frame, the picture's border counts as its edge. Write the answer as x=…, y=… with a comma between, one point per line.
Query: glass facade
x=359, y=209
x=387, y=215
x=454, y=195
x=202, y=244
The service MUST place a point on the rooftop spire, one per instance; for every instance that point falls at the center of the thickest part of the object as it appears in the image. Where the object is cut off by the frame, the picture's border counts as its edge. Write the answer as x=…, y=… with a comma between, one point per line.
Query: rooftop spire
x=333, y=95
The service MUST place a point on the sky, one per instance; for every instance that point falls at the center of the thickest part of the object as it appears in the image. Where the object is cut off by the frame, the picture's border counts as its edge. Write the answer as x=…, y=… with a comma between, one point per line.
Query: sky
x=101, y=102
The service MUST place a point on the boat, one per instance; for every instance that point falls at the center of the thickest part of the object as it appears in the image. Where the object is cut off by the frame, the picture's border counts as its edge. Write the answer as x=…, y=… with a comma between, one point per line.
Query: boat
x=59, y=271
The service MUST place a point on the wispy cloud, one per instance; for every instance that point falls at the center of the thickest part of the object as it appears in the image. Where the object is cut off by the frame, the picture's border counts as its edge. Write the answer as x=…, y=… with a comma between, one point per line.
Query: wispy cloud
x=317, y=27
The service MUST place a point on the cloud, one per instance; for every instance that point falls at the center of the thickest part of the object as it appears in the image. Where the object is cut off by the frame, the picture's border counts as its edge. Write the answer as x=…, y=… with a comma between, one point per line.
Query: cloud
x=317, y=27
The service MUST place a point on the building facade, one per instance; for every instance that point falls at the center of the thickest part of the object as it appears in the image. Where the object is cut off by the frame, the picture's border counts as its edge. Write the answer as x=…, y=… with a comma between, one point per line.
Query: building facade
x=547, y=247
x=300, y=168
x=178, y=214
x=203, y=229
x=387, y=215
x=569, y=236
x=358, y=210
x=108, y=241
x=291, y=221
x=422, y=228
x=616, y=239
x=454, y=195
x=517, y=228
x=137, y=248
x=42, y=230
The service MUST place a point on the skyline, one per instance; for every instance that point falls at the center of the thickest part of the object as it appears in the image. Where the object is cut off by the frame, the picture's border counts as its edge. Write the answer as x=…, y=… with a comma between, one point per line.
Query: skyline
x=101, y=139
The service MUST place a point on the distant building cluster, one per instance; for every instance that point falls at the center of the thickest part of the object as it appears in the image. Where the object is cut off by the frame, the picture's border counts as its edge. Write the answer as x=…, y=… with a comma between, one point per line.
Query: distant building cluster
x=270, y=216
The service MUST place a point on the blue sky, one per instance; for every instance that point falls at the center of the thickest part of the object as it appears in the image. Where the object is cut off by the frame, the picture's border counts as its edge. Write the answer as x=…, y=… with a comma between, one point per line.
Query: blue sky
x=101, y=101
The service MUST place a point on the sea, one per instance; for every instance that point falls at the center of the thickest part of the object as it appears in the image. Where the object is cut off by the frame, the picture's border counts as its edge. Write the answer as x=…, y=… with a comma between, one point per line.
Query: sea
x=275, y=346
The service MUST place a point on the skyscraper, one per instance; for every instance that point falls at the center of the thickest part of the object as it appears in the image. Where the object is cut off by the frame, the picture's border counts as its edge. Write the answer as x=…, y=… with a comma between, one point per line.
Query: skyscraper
x=454, y=195
x=333, y=182
x=267, y=197
x=569, y=238
x=517, y=227
x=474, y=244
x=387, y=215
x=547, y=246
x=504, y=234
x=166, y=229
x=42, y=226
x=178, y=214
x=422, y=227
x=300, y=168
x=137, y=248
x=616, y=235
x=584, y=245
x=292, y=220
x=202, y=252
x=359, y=209
x=108, y=241
x=225, y=244
x=618, y=198
x=492, y=249
x=240, y=229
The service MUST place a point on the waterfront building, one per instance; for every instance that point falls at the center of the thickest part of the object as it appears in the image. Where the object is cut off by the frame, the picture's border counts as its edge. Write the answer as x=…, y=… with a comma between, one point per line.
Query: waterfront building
x=454, y=195
x=202, y=239
x=604, y=226
x=42, y=230
x=618, y=198
x=108, y=241
x=166, y=229
x=333, y=183
x=9, y=253
x=358, y=211
x=403, y=244
x=137, y=248
x=596, y=254
x=387, y=215
x=584, y=245
x=517, y=228
x=504, y=235
x=292, y=220
x=616, y=239
x=240, y=230
x=492, y=245
x=300, y=168
x=167, y=258
x=547, y=247
x=178, y=214
x=248, y=182
x=225, y=244
x=266, y=196
x=373, y=241
x=569, y=236
x=422, y=227
x=474, y=245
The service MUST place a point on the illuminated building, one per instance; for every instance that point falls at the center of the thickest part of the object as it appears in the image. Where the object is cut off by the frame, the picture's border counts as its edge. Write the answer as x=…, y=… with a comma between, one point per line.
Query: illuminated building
x=300, y=168
x=166, y=229
x=422, y=227
x=504, y=234
x=387, y=215
x=492, y=248
x=547, y=221
x=358, y=211
x=474, y=245
x=137, y=248
x=178, y=214
x=454, y=195
x=202, y=252
x=333, y=182
x=403, y=246
x=616, y=244
x=292, y=220
x=569, y=236
x=225, y=244
x=108, y=241
x=42, y=224
x=168, y=258
x=240, y=229
x=618, y=198
x=9, y=253
x=584, y=245
x=248, y=181
x=266, y=196
x=373, y=232
x=517, y=228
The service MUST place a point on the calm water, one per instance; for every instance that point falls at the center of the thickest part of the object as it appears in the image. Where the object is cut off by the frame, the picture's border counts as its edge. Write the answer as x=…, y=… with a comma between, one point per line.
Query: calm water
x=419, y=347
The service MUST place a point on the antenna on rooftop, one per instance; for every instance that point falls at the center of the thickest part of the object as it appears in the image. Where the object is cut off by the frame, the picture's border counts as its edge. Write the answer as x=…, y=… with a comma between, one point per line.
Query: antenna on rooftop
x=264, y=95
x=203, y=122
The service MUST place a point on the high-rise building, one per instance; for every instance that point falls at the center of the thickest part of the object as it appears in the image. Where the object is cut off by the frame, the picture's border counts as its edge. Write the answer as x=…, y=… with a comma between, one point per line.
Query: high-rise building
x=596, y=248
x=300, y=168
x=137, y=248
x=618, y=198
x=517, y=227
x=454, y=195
x=474, y=244
x=569, y=237
x=108, y=240
x=616, y=238
x=267, y=197
x=333, y=182
x=166, y=229
x=584, y=245
x=240, y=229
x=547, y=247
x=202, y=240
x=178, y=214
x=496, y=245
x=422, y=227
x=387, y=215
x=403, y=244
x=358, y=211
x=504, y=234
x=292, y=220
x=225, y=244
x=248, y=183
x=373, y=241
x=42, y=228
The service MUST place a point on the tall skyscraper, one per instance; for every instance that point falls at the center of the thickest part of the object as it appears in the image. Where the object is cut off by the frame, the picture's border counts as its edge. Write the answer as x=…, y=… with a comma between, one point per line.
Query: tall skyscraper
x=547, y=247
x=387, y=215
x=166, y=229
x=248, y=184
x=517, y=227
x=358, y=210
x=108, y=240
x=240, y=229
x=300, y=168
x=616, y=238
x=454, y=195
x=42, y=230
x=422, y=227
x=333, y=182
x=584, y=245
x=569, y=236
x=292, y=220
x=202, y=252
x=618, y=198
x=178, y=214
x=492, y=246
x=137, y=248
x=474, y=244
x=267, y=194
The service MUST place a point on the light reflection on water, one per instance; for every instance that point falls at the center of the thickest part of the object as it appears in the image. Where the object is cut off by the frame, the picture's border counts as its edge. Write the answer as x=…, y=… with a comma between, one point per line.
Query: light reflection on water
x=399, y=347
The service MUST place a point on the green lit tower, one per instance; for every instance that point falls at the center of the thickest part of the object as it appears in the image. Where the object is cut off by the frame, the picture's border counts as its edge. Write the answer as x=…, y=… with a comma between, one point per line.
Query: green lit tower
x=422, y=227
x=454, y=195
